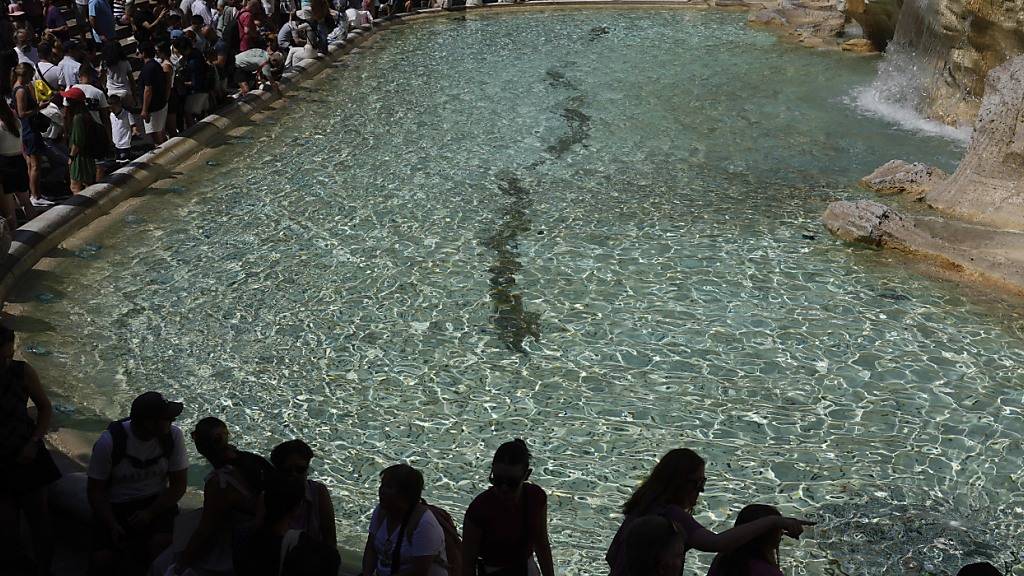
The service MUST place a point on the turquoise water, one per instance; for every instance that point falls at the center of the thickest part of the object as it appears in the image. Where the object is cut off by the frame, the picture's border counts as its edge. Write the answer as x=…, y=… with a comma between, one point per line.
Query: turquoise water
x=597, y=230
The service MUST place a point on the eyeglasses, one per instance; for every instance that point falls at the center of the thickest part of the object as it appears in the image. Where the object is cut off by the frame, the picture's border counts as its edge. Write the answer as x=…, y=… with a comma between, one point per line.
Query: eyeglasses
x=510, y=482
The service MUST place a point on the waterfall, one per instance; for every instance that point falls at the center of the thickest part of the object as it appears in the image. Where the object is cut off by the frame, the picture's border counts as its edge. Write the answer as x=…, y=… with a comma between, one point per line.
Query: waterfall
x=913, y=75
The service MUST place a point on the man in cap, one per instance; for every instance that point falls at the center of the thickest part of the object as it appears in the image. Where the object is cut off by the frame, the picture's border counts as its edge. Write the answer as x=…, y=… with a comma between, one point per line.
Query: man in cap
x=137, y=475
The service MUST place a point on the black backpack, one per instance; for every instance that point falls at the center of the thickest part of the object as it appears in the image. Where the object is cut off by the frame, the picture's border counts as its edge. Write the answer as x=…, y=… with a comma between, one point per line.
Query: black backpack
x=120, y=449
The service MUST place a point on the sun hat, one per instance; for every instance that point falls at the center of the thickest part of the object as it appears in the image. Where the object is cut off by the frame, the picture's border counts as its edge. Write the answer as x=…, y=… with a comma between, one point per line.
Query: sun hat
x=74, y=94
x=153, y=405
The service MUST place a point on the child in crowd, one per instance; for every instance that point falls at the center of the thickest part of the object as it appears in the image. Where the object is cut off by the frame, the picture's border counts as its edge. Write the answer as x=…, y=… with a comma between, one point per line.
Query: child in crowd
x=507, y=525
x=120, y=129
x=316, y=512
x=672, y=490
x=655, y=546
x=404, y=537
x=758, y=557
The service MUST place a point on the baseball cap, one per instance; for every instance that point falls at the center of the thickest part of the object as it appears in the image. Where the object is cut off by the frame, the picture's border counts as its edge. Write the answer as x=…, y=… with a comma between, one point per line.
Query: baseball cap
x=153, y=405
x=73, y=94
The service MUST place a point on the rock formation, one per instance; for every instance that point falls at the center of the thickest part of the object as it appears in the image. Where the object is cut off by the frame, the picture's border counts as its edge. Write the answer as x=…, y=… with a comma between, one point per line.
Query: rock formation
x=866, y=222
x=806, y=23
x=900, y=177
x=877, y=18
x=988, y=185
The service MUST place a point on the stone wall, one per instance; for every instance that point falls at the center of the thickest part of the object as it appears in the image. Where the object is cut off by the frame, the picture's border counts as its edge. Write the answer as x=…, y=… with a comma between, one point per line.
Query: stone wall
x=988, y=185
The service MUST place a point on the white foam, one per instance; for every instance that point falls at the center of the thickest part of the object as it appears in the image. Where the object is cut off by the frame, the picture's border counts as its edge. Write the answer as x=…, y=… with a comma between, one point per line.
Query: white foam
x=868, y=101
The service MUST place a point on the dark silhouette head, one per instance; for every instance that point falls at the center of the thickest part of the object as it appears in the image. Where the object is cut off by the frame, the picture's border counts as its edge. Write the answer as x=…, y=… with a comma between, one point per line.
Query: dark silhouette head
x=678, y=478
x=764, y=547
x=292, y=458
x=211, y=438
x=979, y=569
x=281, y=498
x=401, y=488
x=510, y=468
x=654, y=547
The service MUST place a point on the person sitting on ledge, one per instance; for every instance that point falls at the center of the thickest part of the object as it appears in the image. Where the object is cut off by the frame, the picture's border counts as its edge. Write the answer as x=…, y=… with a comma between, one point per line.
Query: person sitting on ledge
x=316, y=511
x=404, y=537
x=231, y=505
x=507, y=524
x=137, y=475
x=758, y=557
x=655, y=546
x=979, y=569
x=27, y=465
x=672, y=490
x=272, y=549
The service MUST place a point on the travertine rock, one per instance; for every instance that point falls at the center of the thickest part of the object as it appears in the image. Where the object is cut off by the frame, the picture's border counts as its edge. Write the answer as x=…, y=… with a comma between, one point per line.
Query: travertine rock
x=988, y=185
x=818, y=22
x=859, y=46
x=900, y=177
x=864, y=221
x=877, y=18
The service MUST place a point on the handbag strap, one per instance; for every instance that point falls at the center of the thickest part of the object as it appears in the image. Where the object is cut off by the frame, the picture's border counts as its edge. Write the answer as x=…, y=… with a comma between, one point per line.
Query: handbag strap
x=43, y=76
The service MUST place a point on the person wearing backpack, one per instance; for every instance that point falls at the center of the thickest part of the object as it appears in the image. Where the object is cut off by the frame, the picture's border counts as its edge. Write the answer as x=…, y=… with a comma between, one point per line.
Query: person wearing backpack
x=137, y=474
x=405, y=536
x=507, y=525
x=231, y=505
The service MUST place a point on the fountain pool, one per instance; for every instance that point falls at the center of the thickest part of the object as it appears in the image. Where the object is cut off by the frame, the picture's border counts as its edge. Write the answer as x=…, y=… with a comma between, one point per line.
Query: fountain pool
x=597, y=230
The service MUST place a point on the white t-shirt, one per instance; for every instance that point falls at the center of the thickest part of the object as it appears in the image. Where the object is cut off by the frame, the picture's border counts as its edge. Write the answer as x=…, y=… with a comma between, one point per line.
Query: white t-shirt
x=128, y=483
x=121, y=129
x=30, y=56
x=119, y=78
x=68, y=71
x=199, y=7
x=427, y=540
x=95, y=99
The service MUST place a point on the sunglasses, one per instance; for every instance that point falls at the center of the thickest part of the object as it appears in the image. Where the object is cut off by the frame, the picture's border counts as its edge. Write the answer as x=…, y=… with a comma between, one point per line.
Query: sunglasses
x=506, y=481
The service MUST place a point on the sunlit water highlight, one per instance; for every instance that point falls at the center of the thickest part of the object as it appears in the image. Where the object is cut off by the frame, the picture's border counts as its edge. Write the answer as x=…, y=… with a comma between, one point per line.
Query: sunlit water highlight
x=607, y=243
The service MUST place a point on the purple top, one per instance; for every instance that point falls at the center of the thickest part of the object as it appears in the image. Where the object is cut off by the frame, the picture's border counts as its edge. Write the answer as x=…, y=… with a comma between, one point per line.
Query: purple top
x=55, y=20
x=616, y=556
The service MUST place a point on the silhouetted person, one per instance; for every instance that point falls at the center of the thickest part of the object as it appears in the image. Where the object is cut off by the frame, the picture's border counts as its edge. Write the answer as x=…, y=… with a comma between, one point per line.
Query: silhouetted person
x=655, y=547
x=27, y=466
x=758, y=557
x=137, y=475
x=273, y=549
x=507, y=524
x=316, y=511
x=672, y=490
x=979, y=569
x=404, y=537
x=231, y=504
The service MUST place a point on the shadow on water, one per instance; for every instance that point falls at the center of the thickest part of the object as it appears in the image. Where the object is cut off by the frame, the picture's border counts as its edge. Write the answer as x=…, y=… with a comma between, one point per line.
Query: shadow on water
x=514, y=323
x=512, y=320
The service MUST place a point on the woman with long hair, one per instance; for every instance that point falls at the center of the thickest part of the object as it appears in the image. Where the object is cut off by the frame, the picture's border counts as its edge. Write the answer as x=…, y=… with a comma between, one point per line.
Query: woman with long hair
x=405, y=537
x=13, y=169
x=672, y=491
x=758, y=557
x=507, y=525
x=33, y=147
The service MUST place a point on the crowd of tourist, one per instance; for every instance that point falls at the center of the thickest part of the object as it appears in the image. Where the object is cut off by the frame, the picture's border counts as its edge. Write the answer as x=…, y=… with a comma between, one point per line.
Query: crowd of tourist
x=78, y=103
x=268, y=518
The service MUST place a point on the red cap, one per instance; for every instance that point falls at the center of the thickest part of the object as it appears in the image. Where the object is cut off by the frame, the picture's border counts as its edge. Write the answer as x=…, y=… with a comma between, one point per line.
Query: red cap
x=74, y=94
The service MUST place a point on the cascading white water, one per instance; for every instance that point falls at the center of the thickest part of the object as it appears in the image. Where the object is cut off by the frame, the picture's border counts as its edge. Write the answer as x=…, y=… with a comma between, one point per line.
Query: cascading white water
x=913, y=73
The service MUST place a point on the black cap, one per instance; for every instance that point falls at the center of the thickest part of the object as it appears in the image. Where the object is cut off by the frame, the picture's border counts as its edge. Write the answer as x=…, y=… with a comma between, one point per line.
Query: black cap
x=153, y=406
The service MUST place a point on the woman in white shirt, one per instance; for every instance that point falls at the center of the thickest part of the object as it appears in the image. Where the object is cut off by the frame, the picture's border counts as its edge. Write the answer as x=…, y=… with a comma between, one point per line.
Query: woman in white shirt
x=405, y=536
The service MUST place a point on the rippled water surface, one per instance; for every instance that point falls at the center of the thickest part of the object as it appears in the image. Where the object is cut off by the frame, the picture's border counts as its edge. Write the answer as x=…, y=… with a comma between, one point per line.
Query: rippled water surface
x=596, y=230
